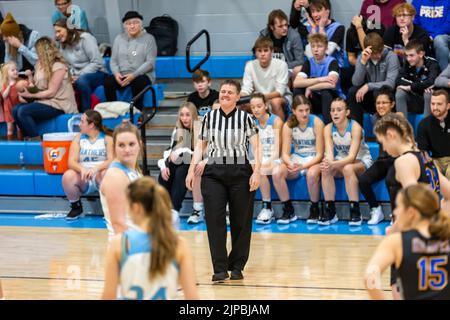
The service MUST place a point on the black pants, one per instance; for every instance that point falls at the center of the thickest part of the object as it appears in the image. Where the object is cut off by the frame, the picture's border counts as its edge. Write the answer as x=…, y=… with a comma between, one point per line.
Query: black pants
x=137, y=85
x=176, y=185
x=346, y=78
x=321, y=101
x=357, y=109
x=222, y=184
x=377, y=171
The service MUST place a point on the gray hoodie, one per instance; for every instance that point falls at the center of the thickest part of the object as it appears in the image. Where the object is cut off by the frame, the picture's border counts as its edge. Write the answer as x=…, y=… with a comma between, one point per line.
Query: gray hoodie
x=84, y=57
x=384, y=73
x=134, y=55
x=292, y=48
x=443, y=79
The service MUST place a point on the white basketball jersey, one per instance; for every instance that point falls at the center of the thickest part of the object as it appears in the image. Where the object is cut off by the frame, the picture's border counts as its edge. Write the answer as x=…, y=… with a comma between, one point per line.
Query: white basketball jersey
x=342, y=144
x=135, y=282
x=267, y=139
x=92, y=153
x=132, y=176
x=304, y=140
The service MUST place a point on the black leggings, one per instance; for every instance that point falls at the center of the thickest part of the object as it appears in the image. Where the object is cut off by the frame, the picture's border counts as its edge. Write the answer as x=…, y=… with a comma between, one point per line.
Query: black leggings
x=375, y=173
x=176, y=185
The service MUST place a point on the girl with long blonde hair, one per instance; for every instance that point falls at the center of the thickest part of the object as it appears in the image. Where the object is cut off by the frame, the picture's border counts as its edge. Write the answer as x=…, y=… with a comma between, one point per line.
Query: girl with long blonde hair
x=55, y=94
x=175, y=163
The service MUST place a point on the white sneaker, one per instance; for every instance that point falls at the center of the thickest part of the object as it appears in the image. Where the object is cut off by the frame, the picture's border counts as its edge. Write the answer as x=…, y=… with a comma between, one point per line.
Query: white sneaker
x=376, y=216
x=265, y=216
x=176, y=219
x=195, y=217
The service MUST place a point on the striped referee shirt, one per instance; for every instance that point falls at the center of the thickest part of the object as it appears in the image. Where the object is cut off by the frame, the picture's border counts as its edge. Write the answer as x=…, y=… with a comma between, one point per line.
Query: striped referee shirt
x=228, y=136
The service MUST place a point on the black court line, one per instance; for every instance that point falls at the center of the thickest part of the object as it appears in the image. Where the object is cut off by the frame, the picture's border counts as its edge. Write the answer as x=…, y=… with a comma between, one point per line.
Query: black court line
x=281, y=287
x=202, y=284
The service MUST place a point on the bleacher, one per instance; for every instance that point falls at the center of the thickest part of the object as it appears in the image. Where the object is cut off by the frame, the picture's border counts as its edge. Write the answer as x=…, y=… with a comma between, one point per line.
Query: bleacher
x=21, y=181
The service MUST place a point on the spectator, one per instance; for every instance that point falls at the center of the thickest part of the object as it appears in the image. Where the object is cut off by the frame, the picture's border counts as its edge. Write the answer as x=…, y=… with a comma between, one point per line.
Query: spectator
x=397, y=36
x=269, y=129
x=203, y=97
x=2, y=43
x=434, y=17
x=443, y=80
x=433, y=133
x=287, y=44
x=321, y=23
x=19, y=43
x=356, y=33
x=354, y=44
x=319, y=78
x=375, y=68
x=384, y=104
x=55, y=96
x=176, y=160
x=90, y=154
x=267, y=76
x=302, y=152
x=299, y=19
x=75, y=16
x=415, y=80
x=380, y=11
x=133, y=59
x=11, y=86
x=85, y=62
x=346, y=154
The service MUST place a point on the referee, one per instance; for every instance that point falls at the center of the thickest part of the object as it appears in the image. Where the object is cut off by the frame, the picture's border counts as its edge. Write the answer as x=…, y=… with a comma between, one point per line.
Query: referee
x=227, y=177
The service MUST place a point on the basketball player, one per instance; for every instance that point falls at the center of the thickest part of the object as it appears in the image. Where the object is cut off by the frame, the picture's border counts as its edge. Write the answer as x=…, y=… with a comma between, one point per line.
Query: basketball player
x=420, y=252
x=149, y=261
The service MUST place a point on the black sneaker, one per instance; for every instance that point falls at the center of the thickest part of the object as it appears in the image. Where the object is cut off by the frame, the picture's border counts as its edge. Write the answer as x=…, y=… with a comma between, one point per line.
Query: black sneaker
x=355, y=218
x=314, y=214
x=236, y=275
x=329, y=216
x=76, y=211
x=220, y=276
x=288, y=216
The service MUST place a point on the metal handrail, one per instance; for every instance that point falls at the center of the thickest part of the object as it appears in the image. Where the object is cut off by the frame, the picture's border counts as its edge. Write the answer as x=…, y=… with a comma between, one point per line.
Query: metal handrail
x=188, y=51
x=144, y=119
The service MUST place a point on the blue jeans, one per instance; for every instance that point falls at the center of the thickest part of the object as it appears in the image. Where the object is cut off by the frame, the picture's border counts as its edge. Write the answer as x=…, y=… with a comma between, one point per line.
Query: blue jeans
x=27, y=115
x=442, y=50
x=86, y=84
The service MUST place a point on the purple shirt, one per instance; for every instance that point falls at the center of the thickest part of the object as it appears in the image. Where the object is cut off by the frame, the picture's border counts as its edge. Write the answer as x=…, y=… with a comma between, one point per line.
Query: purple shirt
x=387, y=18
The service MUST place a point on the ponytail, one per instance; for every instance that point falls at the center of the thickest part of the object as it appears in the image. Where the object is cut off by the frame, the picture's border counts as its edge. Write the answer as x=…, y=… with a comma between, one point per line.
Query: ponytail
x=421, y=197
x=158, y=207
x=440, y=225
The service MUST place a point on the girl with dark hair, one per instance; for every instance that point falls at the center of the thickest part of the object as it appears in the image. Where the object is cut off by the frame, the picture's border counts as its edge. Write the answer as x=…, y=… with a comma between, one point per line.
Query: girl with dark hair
x=347, y=155
x=90, y=154
x=302, y=151
x=80, y=49
x=150, y=262
x=384, y=104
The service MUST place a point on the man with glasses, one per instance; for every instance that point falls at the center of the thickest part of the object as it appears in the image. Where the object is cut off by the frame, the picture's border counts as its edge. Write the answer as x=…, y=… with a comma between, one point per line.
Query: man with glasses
x=76, y=17
x=404, y=30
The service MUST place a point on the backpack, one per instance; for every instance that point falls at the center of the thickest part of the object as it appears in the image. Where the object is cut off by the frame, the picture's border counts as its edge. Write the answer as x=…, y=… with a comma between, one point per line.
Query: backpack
x=165, y=31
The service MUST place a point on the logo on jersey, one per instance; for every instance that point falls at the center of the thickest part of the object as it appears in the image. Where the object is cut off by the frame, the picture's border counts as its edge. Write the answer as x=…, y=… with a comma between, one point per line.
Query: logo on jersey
x=55, y=154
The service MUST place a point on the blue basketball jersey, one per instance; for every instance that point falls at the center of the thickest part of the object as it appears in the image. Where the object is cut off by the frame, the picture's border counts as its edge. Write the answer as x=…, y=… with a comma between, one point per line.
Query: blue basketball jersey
x=135, y=281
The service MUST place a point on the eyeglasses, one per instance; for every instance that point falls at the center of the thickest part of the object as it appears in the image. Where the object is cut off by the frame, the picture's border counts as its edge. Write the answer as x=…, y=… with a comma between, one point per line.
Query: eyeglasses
x=132, y=22
x=62, y=4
